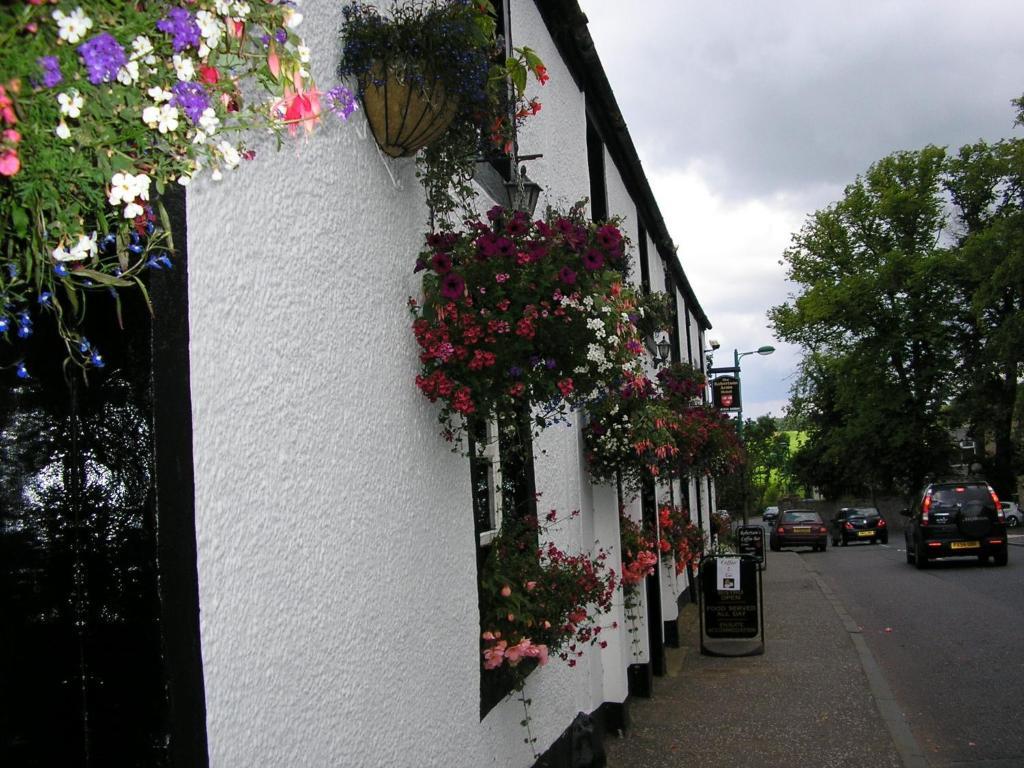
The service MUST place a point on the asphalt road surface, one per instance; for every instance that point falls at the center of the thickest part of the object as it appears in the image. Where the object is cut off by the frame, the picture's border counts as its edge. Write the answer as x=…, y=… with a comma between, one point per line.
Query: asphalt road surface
x=950, y=641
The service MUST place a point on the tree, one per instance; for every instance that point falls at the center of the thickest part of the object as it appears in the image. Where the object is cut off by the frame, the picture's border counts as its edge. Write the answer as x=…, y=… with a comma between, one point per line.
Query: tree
x=871, y=315
x=986, y=185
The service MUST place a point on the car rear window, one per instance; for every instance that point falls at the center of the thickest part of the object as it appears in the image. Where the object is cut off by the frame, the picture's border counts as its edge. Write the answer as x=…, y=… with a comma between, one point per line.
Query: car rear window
x=867, y=511
x=951, y=495
x=800, y=517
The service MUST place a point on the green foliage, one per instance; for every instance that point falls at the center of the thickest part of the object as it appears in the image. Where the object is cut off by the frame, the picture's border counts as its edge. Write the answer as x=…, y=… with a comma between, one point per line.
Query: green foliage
x=911, y=314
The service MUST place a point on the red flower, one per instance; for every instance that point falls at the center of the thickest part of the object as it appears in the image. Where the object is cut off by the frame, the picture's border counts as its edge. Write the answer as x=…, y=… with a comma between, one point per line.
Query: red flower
x=208, y=74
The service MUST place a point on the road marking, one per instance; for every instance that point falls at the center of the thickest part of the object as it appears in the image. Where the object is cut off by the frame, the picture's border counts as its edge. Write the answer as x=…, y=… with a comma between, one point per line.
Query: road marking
x=888, y=707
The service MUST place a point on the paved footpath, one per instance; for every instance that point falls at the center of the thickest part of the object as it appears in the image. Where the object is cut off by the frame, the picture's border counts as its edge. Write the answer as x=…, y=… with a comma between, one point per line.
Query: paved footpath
x=815, y=699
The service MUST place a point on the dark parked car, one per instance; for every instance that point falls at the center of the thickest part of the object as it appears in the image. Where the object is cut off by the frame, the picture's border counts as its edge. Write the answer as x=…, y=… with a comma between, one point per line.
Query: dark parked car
x=957, y=518
x=798, y=527
x=859, y=524
x=770, y=514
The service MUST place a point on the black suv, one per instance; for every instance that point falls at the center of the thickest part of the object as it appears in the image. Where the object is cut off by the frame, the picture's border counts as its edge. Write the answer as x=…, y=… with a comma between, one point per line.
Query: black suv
x=956, y=518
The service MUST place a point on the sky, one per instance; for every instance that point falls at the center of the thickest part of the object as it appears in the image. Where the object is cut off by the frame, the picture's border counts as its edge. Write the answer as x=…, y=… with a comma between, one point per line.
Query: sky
x=748, y=116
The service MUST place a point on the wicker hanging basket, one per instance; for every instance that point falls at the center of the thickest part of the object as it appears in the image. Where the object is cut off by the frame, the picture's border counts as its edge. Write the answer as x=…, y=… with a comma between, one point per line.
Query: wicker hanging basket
x=405, y=116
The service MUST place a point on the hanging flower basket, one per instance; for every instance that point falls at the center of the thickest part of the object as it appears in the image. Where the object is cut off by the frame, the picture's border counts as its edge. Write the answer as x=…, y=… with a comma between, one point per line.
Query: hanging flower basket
x=407, y=113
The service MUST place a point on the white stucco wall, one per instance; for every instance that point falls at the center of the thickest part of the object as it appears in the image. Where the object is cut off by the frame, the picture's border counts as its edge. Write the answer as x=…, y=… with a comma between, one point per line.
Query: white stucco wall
x=337, y=562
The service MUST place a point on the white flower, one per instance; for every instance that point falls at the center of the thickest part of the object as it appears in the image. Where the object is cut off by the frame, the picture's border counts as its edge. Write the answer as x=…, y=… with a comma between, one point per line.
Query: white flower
x=127, y=189
x=129, y=73
x=163, y=118
x=211, y=28
x=59, y=254
x=72, y=27
x=304, y=53
x=241, y=9
x=184, y=67
x=142, y=50
x=292, y=18
x=223, y=7
x=62, y=130
x=216, y=175
x=209, y=121
x=71, y=103
x=151, y=116
x=230, y=154
x=158, y=94
x=84, y=248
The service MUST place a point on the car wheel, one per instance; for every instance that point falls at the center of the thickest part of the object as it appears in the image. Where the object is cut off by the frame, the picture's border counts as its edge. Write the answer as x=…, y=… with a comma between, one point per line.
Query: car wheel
x=1001, y=557
x=1012, y=521
x=845, y=542
x=920, y=558
x=885, y=540
x=910, y=556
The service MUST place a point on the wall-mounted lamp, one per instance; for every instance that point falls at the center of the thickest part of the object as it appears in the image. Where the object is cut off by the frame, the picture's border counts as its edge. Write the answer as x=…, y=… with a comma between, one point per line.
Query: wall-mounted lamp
x=521, y=193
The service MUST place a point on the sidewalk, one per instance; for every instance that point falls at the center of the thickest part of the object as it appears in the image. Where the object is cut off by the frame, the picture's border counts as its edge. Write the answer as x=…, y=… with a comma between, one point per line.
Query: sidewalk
x=813, y=700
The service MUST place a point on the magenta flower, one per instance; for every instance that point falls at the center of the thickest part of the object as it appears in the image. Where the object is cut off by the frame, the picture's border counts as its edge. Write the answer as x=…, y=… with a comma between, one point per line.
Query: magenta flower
x=592, y=259
x=567, y=276
x=441, y=263
x=453, y=286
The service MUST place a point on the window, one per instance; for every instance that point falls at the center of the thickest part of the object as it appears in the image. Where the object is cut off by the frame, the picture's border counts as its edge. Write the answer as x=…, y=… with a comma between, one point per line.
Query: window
x=485, y=477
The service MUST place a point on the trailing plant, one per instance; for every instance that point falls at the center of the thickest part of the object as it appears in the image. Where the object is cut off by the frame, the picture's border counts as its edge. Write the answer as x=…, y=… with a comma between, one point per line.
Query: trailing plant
x=537, y=600
x=519, y=315
x=448, y=51
x=103, y=103
x=678, y=538
x=646, y=429
x=639, y=556
x=630, y=435
x=638, y=562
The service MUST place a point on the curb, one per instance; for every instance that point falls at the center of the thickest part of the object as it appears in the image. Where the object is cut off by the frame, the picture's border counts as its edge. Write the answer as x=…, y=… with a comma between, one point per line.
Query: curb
x=902, y=738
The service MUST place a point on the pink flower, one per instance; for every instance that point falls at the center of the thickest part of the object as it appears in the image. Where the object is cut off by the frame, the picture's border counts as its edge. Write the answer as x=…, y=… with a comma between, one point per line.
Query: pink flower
x=506, y=591
x=501, y=277
x=299, y=106
x=274, y=61
x=494, y=655
x=10, y=163
x=531, y=585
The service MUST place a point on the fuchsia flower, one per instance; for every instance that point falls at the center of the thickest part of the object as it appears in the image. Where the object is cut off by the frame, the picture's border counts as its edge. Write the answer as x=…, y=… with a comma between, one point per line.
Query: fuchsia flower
x=299, y=106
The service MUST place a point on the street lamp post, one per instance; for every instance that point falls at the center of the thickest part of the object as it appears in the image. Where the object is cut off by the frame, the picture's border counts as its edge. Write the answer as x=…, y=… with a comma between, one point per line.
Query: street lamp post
x=735, y=370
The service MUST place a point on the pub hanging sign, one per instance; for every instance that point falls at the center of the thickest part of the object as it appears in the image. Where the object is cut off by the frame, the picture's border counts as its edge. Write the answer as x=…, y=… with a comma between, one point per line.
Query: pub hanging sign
x=725, y=392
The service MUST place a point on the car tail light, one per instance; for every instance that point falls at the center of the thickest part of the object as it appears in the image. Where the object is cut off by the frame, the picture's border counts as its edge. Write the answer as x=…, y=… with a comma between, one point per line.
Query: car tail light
x=781, y=530
x=995, y=541
x=934, y=543
x=999, y=507
x=881, y=523
x=925, y=506
x=823, y=529
x=848, y=526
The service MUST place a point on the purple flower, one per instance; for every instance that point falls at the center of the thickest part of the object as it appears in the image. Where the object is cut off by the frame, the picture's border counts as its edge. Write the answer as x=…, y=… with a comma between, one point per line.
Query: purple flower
x=441, y=263
x=515, y=371
x=452, y=286
x=592, y=259
x=505, y=247
x=51, y=70
x=182, y=27
x=567, y=276
x=192, y=99
x=281, y=36
x=103, y=56
x=341, y=101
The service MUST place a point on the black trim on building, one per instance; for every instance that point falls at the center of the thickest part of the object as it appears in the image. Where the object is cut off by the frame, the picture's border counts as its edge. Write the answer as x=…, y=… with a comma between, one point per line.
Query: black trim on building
x=595, y=166
x=175, y=486
x=652, y=584
x=645, y=263
x=640, y=680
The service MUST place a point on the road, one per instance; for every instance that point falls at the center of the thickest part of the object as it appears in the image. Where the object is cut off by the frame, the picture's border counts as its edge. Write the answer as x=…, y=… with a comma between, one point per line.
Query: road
x=950, y=641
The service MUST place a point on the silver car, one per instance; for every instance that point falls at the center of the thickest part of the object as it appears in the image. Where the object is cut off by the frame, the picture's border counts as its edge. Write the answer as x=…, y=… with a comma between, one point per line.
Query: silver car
x=1011, y=512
